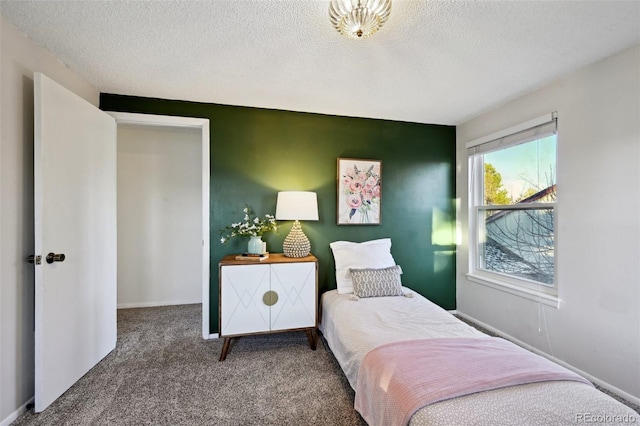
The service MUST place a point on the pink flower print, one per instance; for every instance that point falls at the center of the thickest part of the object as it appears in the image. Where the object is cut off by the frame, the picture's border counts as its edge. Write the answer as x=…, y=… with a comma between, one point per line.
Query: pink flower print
x=346, y=180
x=354, y=201
x=355, y=186
x=376, y=191
x=371, y=181
x=367, y=193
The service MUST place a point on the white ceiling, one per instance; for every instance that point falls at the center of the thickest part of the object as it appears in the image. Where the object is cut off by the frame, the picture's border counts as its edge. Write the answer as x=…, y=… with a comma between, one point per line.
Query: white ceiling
x=440, y=62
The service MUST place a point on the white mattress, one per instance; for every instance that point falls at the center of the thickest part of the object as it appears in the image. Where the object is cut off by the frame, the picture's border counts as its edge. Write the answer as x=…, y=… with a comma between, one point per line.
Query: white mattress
x=354, y=327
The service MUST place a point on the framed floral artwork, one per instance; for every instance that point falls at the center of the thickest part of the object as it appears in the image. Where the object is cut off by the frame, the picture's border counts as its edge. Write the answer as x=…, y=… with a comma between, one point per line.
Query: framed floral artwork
x=359, y=192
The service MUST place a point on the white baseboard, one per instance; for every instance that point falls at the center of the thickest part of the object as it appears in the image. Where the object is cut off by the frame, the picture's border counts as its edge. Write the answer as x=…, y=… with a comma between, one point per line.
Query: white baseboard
x=213, y=336
x=154, y=304
x=591, y=378
x=11, y=417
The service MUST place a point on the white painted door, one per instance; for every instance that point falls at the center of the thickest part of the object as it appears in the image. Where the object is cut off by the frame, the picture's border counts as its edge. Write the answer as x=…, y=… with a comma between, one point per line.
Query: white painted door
x=295, y=284
x=242, y=309
x=75, y=215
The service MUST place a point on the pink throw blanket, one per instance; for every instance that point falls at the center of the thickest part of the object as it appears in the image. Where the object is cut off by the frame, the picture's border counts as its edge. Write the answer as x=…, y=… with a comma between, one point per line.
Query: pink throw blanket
x=397, y=379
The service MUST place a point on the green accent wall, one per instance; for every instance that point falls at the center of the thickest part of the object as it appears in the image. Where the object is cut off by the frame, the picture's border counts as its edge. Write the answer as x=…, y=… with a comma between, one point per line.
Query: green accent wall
x=257, y=152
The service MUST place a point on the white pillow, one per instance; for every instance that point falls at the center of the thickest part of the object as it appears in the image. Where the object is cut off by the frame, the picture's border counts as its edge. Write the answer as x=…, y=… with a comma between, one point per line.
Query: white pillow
x=369, y=254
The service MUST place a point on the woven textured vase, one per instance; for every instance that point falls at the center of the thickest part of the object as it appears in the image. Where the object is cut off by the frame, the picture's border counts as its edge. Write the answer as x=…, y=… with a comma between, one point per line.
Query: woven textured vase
x=296, y=244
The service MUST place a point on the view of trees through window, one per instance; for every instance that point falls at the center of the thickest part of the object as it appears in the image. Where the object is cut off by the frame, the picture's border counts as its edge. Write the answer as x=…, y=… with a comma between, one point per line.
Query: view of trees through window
x=519, y=240
x=495, y=193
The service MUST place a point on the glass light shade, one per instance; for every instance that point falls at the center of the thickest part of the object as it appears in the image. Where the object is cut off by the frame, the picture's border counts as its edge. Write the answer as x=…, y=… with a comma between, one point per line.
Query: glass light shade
x=359, y=18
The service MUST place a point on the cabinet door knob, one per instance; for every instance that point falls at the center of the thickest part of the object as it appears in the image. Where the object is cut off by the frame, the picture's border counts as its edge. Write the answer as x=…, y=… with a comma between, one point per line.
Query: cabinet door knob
x=270, y=298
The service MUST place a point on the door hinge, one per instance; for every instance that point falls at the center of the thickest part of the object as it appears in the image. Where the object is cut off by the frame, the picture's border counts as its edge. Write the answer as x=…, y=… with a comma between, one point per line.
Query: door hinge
x=35, y=259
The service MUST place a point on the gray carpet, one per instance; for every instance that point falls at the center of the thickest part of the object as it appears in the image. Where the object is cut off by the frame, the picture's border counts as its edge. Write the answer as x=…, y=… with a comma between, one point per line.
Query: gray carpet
x=163, y=373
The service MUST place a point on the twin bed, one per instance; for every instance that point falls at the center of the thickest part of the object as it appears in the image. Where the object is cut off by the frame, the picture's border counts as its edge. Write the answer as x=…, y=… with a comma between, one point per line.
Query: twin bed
x=411, y=362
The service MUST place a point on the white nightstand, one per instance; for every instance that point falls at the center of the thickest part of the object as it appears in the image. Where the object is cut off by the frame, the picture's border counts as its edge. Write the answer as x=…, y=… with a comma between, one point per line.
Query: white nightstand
x=275, y=295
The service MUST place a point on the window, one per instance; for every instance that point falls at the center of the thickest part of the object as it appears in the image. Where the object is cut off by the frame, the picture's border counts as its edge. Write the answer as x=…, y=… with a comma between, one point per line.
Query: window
x=512, y=203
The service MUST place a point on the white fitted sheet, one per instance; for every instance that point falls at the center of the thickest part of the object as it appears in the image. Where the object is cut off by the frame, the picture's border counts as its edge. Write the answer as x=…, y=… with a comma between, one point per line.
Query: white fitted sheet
x=352, y=328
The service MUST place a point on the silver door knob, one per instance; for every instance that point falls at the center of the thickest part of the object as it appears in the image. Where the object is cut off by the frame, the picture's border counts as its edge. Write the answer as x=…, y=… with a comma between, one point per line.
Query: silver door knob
x=52, y=257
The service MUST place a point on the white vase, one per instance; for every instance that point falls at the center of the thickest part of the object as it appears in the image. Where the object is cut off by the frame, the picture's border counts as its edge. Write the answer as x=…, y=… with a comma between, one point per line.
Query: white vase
x=255, y=245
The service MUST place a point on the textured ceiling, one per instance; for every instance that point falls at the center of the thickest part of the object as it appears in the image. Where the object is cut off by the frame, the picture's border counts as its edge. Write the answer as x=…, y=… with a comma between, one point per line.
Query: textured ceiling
x=440, y=62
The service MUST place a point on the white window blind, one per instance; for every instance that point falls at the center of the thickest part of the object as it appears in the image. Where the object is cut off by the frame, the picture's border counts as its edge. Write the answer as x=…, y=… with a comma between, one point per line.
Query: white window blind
x=538, y=128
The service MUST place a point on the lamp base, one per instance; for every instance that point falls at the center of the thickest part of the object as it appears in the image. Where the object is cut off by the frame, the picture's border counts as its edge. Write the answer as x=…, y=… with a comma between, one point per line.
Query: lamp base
x=296, y=244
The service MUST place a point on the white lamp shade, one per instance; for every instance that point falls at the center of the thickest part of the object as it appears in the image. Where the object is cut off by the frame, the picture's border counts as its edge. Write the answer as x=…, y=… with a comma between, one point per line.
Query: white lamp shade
x=297, y=205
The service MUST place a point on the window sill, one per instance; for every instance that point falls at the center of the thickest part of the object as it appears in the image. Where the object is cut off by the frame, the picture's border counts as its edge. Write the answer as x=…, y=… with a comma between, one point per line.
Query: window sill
x=536, y=296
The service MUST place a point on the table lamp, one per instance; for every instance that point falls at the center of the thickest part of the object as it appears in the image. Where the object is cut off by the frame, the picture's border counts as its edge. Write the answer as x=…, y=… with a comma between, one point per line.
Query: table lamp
x=296, y=206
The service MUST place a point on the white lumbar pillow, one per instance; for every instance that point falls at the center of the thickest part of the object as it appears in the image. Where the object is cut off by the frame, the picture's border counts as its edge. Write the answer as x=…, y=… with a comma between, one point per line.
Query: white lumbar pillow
x=369, y=254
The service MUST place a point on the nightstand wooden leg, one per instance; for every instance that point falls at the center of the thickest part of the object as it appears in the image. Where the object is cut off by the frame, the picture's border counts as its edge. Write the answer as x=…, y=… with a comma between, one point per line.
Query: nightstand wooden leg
x=225, y=348
x=312, y=341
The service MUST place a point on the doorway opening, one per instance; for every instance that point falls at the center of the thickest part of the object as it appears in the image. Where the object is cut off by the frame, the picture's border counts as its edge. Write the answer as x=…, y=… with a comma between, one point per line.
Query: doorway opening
x=163, y=211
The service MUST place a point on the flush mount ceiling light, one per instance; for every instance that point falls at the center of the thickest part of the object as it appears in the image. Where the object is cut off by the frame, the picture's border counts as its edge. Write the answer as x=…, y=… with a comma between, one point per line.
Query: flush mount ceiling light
x=359, y=18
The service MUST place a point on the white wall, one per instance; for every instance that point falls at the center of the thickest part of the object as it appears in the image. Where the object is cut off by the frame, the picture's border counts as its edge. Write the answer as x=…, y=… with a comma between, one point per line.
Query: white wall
x=19, y=58
x=159, y=216
x=596, y=328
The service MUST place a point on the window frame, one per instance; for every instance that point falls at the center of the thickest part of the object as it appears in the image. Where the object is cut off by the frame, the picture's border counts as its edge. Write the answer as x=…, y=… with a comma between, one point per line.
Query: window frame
x=535, y=290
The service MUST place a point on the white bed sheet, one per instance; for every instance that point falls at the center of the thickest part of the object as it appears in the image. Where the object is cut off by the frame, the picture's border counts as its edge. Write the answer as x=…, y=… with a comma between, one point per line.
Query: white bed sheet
x=352, y=328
